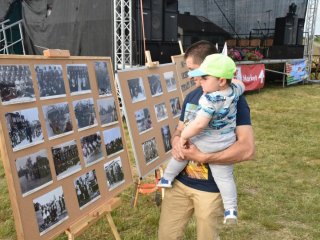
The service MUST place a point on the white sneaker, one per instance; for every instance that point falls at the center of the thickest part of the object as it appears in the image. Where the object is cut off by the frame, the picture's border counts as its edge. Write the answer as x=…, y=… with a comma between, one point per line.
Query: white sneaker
x=164, y=183
x=230, y=217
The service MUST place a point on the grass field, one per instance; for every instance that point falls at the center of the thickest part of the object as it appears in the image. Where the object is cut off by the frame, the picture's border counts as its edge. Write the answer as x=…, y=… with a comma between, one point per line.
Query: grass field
x=279, y=191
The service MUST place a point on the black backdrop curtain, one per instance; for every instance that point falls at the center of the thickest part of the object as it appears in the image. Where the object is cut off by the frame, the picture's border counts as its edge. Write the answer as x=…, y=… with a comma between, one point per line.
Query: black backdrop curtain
x=84, y=27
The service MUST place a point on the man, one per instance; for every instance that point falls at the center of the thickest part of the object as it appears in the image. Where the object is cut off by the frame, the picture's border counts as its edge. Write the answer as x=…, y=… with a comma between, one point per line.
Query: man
x=194, y=191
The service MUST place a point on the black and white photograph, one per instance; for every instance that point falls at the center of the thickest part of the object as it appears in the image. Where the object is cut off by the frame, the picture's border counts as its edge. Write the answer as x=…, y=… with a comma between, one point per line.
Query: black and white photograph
x=58, y=121
x=33, y=172
x=78, y=78
x=24, y=128
x=175, y=107
x=150, y=150
x=170, y=81
x=87, y=188
x=103, y=78
x=50, y=210
x=155, y=85
x=113, y=141
x=50, y=81
x=16, y=84
x=91, y=148
x=66, y=159
x=107, y=111
x=137, y=91
x=114, y=173
x=85, y=113
x=166, y=137
x=143, y=120
x=161, y=111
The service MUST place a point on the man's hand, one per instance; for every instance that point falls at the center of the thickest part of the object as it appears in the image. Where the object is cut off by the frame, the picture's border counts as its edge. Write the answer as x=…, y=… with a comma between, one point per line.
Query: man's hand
x=176, y=149
x=192, y=153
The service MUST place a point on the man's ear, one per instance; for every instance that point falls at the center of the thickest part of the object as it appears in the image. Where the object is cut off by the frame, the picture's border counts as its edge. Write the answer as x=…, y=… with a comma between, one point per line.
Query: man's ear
x=222, y=82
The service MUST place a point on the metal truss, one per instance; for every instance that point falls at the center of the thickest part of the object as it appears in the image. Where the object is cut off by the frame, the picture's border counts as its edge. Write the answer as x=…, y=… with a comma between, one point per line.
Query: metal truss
x=6, y=47
x=122, y=33
x=310, y=19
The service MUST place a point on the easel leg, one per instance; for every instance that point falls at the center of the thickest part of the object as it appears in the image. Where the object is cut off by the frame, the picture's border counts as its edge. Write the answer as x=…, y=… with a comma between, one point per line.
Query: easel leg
x=70, y=235
x=135, y=200
x=113, y=227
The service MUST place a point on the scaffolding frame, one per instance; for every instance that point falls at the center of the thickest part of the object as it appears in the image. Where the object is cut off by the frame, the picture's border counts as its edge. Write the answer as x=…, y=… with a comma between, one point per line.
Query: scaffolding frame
x=4, y=29
x=310, y=24
x=122, y=33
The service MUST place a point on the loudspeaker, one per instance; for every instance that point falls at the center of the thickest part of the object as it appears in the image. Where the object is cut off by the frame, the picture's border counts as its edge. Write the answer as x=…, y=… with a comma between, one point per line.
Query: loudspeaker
x=171, y=26
x=286, y=30
x=147, y=24
x=300, y=31
x=157, y=20
x=285, y=52
x=171, y=6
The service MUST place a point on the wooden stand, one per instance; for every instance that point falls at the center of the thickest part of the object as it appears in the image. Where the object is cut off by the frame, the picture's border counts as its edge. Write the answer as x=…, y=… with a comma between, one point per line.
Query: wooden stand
x=56, y=53
x=79, y=227
x=148, y=188
x=149, y=62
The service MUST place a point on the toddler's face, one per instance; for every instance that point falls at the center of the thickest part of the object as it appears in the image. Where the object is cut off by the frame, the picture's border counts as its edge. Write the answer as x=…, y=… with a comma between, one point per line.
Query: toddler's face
x=210, y=83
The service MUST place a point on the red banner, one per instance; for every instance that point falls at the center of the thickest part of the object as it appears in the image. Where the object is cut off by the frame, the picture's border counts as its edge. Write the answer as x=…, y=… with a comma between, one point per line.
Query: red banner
x=252, y=76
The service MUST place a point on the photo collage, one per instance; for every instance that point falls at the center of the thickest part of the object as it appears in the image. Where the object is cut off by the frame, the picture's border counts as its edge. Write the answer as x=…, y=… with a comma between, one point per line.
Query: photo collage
x=59, y=122
x=152, y=110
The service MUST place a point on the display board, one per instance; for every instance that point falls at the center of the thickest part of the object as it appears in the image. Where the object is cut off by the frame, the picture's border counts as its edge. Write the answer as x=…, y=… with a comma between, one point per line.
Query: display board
x=62, y=140
x=186, y=84
x=152, y=103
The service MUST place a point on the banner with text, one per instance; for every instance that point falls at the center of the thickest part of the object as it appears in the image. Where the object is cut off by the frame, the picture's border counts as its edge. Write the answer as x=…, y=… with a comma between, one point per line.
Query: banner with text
x=296, y=71
x=252, y=76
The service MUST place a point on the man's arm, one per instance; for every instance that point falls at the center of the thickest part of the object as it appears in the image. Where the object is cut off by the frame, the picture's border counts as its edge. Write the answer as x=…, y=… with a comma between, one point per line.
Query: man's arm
x=175, y=142
x=242, y=150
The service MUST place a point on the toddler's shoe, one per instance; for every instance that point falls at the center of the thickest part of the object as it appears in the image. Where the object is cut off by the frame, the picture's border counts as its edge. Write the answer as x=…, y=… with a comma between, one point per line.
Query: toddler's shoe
x=164, y=183
x=230, y=217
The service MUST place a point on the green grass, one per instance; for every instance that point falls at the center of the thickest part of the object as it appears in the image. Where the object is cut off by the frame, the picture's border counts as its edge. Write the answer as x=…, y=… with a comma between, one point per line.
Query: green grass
x=279, y=191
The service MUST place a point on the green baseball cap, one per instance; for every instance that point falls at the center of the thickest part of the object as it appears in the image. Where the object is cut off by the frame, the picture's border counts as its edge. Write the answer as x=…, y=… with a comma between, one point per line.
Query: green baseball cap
x=216, y=65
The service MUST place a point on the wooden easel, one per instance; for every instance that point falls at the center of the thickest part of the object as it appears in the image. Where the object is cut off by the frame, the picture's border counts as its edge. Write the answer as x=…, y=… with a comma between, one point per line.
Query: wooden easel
x=147, y=188
x=149, y=62
x=79, y=227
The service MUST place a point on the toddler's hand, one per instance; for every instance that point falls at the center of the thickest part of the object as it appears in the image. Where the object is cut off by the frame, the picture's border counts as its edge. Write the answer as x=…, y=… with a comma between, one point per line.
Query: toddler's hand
x=184, y=143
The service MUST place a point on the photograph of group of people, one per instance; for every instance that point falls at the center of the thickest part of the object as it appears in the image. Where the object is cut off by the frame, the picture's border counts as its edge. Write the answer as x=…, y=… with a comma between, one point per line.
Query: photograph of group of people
x=78, y=78
x=150, y=151
x=50, y=210
x=84, y=110
x=87, y=188
x=143, y=120
x=58, y=120
x=114, y=173
x=171, y=82
x=166, y=137
x=103, y=78
x=155, y=85
x=91, y=148
x=16, y=84
x=161, y=111
x=24, y=128
x=33, y=172
x=136, y=89
x=175, y=107
x=113, y=140
x=107, y=111
x=66, y=159
x=50, y=81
